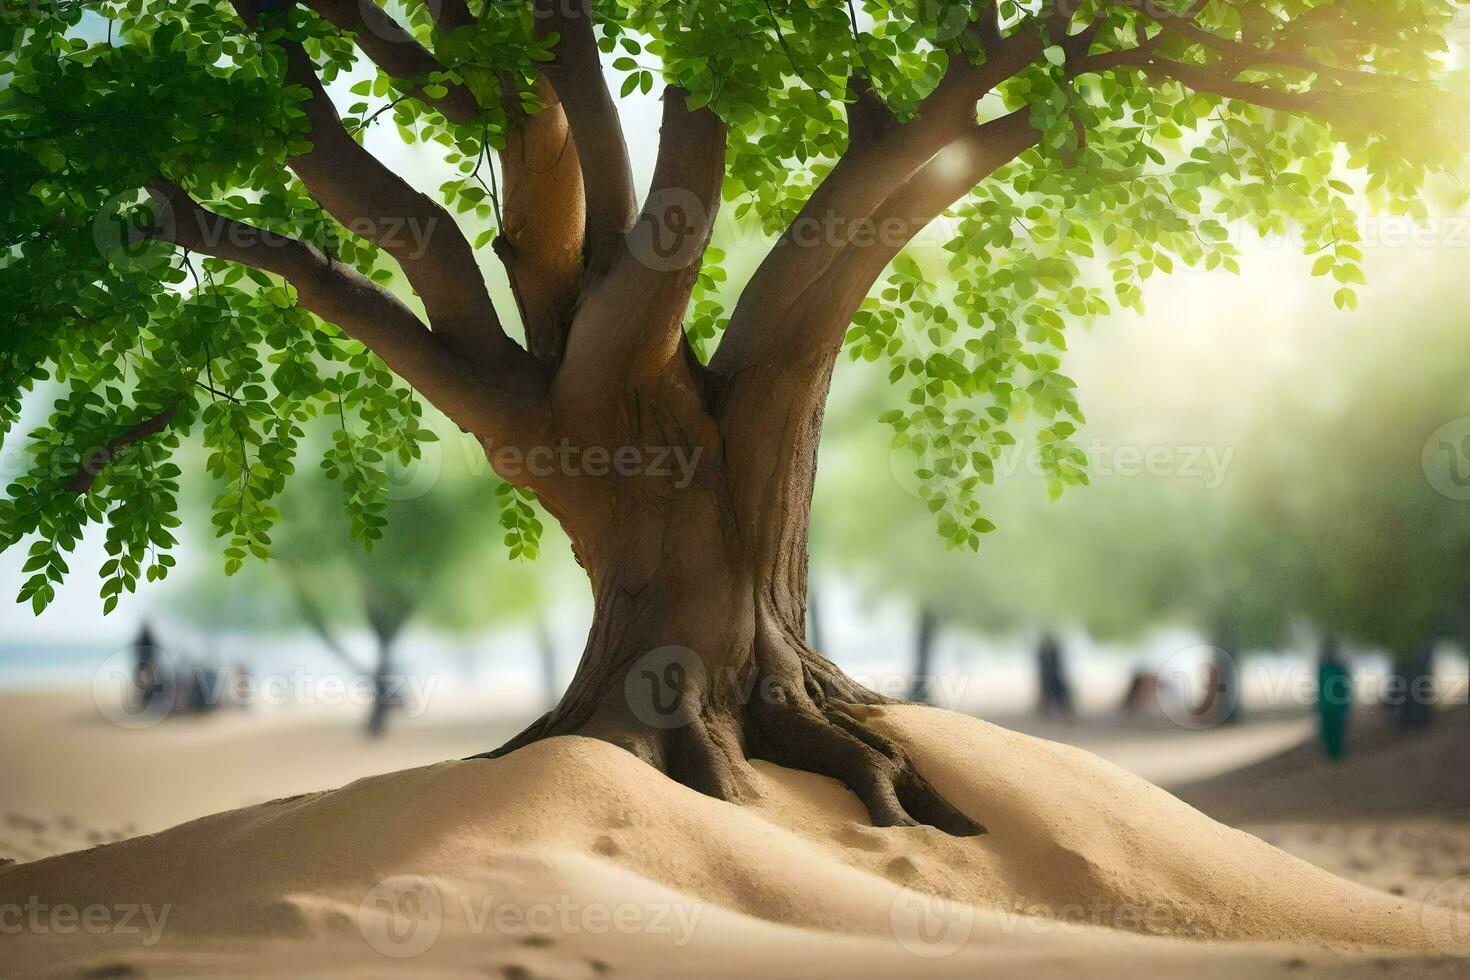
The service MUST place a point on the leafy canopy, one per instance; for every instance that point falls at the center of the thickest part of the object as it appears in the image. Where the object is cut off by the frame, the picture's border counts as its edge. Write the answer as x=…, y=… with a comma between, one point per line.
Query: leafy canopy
x=1174, y=121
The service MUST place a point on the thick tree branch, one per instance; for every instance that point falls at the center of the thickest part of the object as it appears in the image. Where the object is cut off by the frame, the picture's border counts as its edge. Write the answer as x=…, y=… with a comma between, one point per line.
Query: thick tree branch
x=576, y=74
x=364, y=310
x=372, y=201
x=97, y=460
x=1218, y=83
x=867, y=174
x=544, y=219
x=798, y=327
x=1237, y=56
x=868, y=119
x=774, y=374
x=451, y=15
x=633, y=327
x=397, y=52
x=1207, y=80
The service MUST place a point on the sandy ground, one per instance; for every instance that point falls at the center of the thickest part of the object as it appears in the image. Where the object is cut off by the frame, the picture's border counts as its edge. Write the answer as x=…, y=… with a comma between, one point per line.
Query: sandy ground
x=523, y=866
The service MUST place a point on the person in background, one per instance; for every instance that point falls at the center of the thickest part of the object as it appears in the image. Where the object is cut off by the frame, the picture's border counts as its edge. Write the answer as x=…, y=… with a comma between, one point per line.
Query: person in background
x=1143, y=690
x=1056, y=692
x=1334, y=699
x=148, y=681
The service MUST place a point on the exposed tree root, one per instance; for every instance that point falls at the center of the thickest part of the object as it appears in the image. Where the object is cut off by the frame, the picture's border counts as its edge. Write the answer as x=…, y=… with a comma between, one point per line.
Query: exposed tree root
x=808, y=719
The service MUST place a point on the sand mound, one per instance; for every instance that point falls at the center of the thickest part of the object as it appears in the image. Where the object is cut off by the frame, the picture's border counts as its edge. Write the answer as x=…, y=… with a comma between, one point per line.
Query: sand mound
x=572, y=858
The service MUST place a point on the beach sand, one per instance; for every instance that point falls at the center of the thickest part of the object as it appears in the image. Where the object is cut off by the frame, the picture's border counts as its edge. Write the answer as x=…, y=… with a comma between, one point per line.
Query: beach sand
x=571, y=858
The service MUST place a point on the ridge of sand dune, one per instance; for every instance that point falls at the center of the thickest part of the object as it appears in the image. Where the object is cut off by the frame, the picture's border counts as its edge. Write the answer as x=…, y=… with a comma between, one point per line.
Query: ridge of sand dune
x=573, y=822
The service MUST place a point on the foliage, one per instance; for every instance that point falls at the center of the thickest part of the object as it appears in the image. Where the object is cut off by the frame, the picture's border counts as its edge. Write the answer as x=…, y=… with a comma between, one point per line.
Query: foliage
x=1136, y=172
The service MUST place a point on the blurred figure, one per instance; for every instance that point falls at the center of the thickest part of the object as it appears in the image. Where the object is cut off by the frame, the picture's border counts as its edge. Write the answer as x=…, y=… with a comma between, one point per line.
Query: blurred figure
x=240, y=686
x=1056, y=692
x=1143, y=690
x=148, y=680
x=1334, y=698
x=206, y=688
x=1415, y=698
x=921, y=689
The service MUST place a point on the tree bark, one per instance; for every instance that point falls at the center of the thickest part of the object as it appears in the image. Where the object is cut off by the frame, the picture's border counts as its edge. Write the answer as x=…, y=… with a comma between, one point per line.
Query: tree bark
x=697, y=659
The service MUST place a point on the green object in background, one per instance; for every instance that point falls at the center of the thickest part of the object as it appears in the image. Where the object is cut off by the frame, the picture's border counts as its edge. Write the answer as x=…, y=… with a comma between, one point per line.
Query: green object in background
x=1334, y=704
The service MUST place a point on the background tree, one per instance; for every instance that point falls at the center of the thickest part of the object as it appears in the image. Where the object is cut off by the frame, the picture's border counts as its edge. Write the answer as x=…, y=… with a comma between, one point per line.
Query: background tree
x=430, y=569
x=431, y=539
x=1369, y=509
x=1050, y=133
x=1134, y=553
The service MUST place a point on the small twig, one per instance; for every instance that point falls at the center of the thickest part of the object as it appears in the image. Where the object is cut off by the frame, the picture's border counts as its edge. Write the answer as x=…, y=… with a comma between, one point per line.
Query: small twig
x=94, y=463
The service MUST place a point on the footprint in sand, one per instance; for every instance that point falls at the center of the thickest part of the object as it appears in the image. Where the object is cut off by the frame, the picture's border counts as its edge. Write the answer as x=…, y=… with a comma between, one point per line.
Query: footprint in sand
x=606, y=846
x=904, y=868
x=863, y=838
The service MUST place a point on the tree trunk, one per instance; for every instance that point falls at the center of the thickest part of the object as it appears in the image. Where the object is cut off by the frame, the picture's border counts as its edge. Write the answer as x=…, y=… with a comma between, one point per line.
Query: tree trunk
x=1417, y=677
x=919, y=689
x=384, y=698
x=697, y=659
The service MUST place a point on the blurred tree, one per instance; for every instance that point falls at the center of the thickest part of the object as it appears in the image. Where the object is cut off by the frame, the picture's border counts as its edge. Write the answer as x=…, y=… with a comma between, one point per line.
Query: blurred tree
x=431, y=540
x=1050, y=132
x=428, y=567
x=1131, y=554
x=1369, y=504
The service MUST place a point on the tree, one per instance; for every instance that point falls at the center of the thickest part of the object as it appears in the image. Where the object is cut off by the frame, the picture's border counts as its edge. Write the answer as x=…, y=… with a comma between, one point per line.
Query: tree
x=430, y=537
x=1049, y=133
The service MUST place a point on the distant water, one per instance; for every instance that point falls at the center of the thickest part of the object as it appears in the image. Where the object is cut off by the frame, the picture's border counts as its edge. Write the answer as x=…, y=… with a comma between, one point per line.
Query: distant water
x=40, y=665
